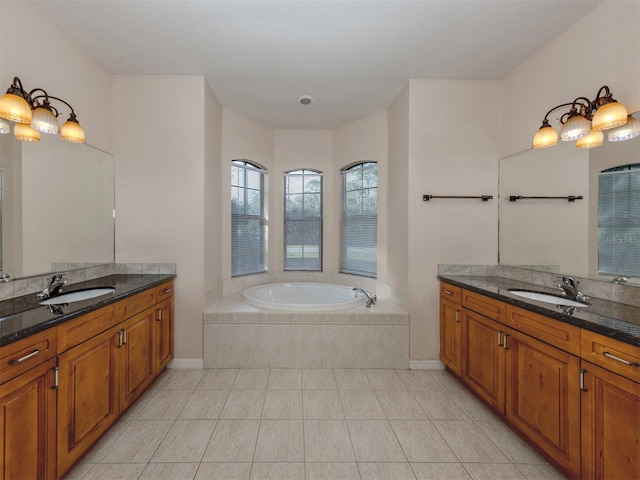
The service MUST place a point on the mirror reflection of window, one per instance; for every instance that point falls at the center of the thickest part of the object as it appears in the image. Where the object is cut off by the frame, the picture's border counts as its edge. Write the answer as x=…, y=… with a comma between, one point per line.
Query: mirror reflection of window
x=0, y=219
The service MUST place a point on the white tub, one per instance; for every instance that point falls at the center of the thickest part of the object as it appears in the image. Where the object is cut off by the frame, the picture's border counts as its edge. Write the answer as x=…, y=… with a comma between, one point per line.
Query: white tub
x=303, y=296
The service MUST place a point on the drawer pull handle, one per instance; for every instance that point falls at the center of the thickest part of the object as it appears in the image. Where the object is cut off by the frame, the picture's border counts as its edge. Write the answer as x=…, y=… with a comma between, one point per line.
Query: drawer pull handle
x=16, y=361
x=119, y=339
x=500, y=338
x=159, y=318
x=457, y=316
x=621, y=360
x=582, y=372
x=447, y=292
x=166, y=290
x=504, y=341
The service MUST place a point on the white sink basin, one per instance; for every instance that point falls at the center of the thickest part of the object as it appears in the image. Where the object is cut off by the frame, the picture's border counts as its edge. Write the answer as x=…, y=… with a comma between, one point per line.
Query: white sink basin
x=77, y=296
x=548, y=298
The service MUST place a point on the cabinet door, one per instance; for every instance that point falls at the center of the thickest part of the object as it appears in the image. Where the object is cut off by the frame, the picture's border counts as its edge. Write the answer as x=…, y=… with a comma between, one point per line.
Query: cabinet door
x=451, y=335
x=543, y=397
x=163, y=335
x=483, y=358
x=87, y=395
x=28, y=422
x=136, y=362
x=610, y=425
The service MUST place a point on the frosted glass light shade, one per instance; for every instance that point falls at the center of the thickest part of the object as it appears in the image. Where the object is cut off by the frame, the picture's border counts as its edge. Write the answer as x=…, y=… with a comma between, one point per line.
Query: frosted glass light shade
x=545, y=137
x=609, y=115
x=24, y=133
x=5, y=126
x=72, y=132
x=574, y=128
x=594, y=139
x=629, y=130
x=43, y=120
x=15, y=108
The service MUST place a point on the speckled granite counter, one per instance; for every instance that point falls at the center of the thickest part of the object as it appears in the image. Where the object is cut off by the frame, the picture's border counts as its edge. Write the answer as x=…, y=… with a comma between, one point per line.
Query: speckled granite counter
x=24, y=316
x=614, y=320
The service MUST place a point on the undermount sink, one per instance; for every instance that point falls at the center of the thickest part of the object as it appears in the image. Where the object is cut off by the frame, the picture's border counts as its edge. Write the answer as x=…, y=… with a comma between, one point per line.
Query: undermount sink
x=78, y=296
x=548, y=298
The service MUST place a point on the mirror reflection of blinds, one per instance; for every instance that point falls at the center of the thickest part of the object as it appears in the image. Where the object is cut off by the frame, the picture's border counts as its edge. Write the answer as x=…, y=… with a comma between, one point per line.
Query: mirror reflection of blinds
x=619, y=221
x=0, y=219
x=248, y=219
x=359, y=223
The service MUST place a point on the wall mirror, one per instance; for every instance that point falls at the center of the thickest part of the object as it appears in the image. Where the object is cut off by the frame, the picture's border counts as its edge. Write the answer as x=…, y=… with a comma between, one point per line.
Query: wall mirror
x=57, y=205
x=557, y=234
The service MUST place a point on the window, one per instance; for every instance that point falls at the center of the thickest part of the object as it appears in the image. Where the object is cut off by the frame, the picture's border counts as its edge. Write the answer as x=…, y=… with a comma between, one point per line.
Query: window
x=303, y=220
x=619, y=221
x=359, y=233
x=248, y=218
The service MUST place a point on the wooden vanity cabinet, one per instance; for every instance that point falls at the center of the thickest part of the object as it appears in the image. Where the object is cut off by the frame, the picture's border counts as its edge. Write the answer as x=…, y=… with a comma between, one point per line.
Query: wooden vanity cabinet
x=163, y=327
x=451, y=327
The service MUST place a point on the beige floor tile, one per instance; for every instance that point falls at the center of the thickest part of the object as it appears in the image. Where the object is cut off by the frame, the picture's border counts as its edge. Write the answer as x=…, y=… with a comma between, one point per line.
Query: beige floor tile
x=440, y=471
x=186, y=441
x=327, y=441
x=469, y=442
x=539, y=472
x=473, y=407
x=386, y=471
x=439, y=405
x=183, y=379
x=332, y=471
x=361, y=404
x=382, y=379
x=218, y=378
x=79, y=471
x=418, y=380
x=375, y=441
x=322, y=404
x=494, y=471
x=224, y=471
x=169, y=471
x=278, y=471
x=400, y=405
x=204, y=405
x=422, y=442
x=446, y=380
x=251, y=379
x=282, y=405
x=285, y=379
x=513, y=446
x=113, y=471
x=134, y=410
x=164, y=405
x=137, y=443
x=280, y=441
x=243, y=405
x=318, y=379
x=351, y=379
x=232, y=441
x=97, y=451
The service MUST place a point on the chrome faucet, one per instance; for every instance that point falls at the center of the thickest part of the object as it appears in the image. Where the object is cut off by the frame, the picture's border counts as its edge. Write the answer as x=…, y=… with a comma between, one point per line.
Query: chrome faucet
x=570, y=287
x=371, y=297
x=54, y=286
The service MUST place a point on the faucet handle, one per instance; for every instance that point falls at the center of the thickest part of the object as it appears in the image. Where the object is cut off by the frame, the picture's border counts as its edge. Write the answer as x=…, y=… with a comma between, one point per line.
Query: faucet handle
x=570, y=281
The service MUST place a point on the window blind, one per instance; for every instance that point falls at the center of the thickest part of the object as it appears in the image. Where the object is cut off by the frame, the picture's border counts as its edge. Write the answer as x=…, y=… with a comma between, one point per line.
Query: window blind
x=248, y=219
x=303, y=220
x=359, y=224
x=619, y=221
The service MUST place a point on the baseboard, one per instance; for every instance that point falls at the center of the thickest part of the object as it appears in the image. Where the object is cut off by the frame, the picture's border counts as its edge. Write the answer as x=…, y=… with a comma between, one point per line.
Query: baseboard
x=192, y=363
x=426, y=365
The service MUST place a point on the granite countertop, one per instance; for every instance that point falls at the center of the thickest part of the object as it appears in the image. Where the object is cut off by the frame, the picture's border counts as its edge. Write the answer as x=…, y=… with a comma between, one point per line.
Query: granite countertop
x=24, y=316
x=615, y=320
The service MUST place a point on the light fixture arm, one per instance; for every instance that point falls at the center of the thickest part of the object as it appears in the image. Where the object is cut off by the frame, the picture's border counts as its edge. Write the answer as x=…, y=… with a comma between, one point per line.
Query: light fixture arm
x=46, y=97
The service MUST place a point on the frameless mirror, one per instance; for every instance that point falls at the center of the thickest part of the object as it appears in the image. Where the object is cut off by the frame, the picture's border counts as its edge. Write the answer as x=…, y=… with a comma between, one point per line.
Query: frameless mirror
x=554, y=233
x=57, y=205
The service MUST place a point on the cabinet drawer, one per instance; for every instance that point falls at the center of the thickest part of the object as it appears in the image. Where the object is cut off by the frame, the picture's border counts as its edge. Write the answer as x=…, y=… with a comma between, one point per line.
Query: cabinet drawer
x=454, y=294
x=137, y=303
x=23, y=355
x=614, y=355
x=164, y=291
x=83, y=328
x=548, y=330
x=484, y=305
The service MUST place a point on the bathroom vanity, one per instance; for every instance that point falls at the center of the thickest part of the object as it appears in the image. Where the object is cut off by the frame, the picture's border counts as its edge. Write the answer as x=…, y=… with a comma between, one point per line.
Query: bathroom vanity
x=567, y=381
x=68, y=372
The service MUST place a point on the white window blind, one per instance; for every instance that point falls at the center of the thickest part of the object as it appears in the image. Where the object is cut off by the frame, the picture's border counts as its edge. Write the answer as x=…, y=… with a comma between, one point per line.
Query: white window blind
x=303, y=220
x=619, y=221
x=248, y=219
x=359, y=226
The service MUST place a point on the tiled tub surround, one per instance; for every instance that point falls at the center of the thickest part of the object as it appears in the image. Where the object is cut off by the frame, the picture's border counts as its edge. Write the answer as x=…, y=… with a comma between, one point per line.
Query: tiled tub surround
x=240, y=335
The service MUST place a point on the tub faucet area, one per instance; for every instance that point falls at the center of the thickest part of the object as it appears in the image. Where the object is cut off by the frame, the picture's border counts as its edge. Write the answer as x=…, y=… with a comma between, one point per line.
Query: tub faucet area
x=371, y=297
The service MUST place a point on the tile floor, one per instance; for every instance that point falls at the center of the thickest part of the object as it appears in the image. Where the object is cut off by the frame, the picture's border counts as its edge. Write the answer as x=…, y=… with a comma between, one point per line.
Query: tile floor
x=310, y=424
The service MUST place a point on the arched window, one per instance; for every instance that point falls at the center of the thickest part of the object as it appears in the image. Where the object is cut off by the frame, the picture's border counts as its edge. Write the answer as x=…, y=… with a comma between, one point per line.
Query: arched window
x=303, y=220
x=359, y=225
x=248, y=218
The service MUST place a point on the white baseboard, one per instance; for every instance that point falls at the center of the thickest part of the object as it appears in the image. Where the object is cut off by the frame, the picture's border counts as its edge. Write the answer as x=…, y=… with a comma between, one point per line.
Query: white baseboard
x=192, y=363
x=426, y=365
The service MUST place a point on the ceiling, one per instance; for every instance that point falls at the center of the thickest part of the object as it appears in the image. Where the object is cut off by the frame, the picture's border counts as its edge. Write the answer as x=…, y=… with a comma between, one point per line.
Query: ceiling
x=352, y=56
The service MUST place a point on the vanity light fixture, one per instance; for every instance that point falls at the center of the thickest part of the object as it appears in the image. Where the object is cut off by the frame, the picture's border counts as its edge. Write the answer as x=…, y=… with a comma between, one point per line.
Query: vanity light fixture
x=33, y=114
x=629, y=130
x=585, y=121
